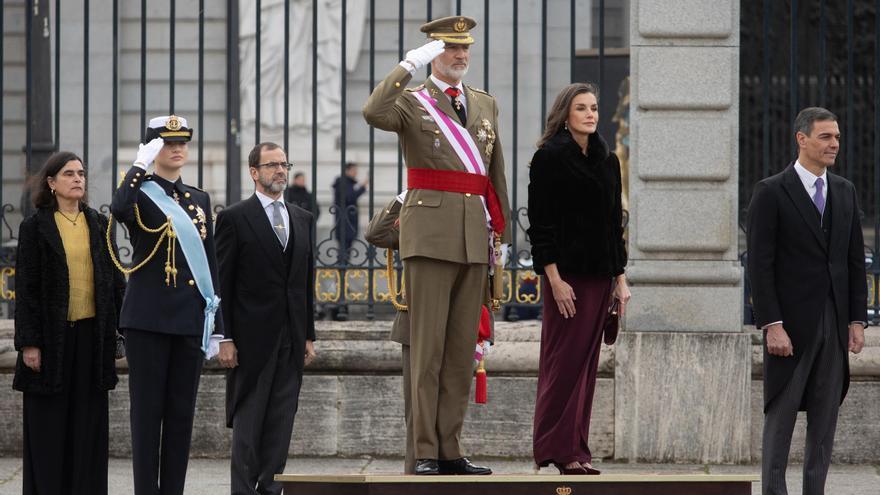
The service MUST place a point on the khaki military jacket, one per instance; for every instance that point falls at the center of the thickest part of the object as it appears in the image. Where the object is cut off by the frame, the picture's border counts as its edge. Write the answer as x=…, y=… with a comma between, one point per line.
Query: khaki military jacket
x=438, y=224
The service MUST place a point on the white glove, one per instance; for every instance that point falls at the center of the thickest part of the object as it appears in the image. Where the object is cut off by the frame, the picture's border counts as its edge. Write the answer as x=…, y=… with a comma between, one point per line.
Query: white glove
x=148, y=152
x=214, y=343
x=504, y=252
x=422, y=56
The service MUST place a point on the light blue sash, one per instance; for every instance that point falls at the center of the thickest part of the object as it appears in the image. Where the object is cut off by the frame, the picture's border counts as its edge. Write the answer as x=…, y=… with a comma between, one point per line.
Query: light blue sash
x=193, y=250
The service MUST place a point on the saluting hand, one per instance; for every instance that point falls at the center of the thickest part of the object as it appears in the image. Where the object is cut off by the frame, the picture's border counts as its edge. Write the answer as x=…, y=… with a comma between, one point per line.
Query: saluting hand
x=778, y=343
x=424, y=54
x=32, y=358
x=148, y=152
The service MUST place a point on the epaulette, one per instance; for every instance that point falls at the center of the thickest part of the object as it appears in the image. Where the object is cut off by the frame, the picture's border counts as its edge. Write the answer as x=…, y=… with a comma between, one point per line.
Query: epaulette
x=417, y=88
x=196, y=188
x=478, y=90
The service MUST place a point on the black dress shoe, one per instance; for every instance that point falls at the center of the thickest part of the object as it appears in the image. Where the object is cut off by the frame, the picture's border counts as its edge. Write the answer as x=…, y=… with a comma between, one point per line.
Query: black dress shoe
x=462, y=466
x=427, y=466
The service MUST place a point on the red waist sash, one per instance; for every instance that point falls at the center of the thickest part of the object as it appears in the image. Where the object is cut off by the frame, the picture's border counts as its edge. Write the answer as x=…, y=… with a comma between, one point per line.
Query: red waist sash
x=460, y=182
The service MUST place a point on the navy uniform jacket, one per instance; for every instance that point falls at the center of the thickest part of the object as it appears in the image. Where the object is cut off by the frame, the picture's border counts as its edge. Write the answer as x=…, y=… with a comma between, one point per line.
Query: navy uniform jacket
x=149, y=303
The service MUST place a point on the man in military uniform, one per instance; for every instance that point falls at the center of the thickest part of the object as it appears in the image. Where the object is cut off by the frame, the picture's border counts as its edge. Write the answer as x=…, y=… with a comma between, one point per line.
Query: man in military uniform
x=170, y=307
x=457, y=202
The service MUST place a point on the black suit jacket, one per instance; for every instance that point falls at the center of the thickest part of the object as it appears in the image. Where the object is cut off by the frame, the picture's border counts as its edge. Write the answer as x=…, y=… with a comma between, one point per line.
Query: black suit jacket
x=150, y=304
x=259, y=298
x=793, y=268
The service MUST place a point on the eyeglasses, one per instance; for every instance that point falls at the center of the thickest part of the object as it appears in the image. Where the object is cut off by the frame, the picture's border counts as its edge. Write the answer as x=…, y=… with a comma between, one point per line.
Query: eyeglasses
x=284, y=165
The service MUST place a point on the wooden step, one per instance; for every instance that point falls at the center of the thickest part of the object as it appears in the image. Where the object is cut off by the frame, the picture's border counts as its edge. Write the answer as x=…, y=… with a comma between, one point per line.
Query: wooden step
x=618, y=484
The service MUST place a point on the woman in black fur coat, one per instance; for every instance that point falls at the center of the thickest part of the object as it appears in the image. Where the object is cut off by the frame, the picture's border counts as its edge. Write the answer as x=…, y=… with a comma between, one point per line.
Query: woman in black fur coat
x=68, y=296
x=576, y=231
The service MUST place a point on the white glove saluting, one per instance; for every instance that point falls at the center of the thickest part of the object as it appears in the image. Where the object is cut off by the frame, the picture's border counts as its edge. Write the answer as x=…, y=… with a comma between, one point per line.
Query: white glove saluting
x=422, y=56
x=148, y=152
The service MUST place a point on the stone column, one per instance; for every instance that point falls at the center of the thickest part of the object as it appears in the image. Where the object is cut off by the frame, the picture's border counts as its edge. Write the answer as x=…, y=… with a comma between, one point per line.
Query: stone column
x=682, y=370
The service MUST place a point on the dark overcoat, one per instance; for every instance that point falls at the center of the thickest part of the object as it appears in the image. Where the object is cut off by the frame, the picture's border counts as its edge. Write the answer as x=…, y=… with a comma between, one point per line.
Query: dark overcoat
x=42, y=292
x=263, y=294
x=793, y=267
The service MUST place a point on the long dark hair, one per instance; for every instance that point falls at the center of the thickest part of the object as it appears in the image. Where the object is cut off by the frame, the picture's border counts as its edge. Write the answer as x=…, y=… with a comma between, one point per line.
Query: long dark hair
x=558, y=113
x=41, y=194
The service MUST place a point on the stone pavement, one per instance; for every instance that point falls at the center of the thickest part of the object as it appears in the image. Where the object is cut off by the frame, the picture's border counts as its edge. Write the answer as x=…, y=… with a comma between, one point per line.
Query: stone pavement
x=211, y=476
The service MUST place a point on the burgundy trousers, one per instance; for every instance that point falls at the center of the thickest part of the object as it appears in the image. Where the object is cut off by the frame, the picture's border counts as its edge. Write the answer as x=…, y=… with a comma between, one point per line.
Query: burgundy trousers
x=567, y=371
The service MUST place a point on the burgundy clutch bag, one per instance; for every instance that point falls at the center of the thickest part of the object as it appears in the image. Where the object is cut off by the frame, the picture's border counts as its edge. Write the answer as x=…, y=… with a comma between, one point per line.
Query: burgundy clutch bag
x=612, y=323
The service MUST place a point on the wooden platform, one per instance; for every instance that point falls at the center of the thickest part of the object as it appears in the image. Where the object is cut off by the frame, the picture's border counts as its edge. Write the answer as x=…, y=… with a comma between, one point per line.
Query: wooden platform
x=610, y=484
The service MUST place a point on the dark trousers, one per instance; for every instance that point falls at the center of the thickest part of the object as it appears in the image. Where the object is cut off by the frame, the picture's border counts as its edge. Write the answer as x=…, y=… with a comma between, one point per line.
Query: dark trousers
x=163, y=379
x=66, y=434
x=817, y=384
x=263, y=423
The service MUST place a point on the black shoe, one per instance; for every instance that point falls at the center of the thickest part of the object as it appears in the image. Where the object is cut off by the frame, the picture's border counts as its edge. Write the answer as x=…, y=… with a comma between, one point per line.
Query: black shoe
x=426, y=466
x=462, y=466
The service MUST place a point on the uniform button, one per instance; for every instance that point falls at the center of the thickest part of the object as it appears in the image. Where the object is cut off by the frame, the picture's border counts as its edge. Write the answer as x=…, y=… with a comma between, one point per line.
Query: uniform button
x=420, y=201
x=137, y=174
x=195, y=220
x=185, y=195
x=191, y=207
x=131, y=185
x=467, y=195
x=436, y=131
x=191, y=282
x=397, y=85
x=134, y=180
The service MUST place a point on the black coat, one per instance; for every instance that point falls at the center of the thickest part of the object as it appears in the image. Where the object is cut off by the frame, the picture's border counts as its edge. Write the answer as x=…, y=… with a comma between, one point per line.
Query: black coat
x=300, y=196
x=793, y=268
x=42, y=291
x=150, y=304
x=260, y=297
x=575, y=213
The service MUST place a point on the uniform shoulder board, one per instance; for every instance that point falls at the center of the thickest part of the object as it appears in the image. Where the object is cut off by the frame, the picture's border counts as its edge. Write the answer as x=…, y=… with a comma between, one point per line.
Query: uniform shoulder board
x=478, y=90
x=417, y=88
x=194, y=188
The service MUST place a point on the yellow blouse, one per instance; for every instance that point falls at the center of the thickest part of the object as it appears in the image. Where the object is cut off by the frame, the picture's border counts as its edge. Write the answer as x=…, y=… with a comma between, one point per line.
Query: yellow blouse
x=81, y=275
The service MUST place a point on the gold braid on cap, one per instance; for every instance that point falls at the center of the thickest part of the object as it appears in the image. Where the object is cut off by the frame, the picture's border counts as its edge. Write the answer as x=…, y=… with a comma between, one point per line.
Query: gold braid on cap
x=392, y=282
x=164, y=230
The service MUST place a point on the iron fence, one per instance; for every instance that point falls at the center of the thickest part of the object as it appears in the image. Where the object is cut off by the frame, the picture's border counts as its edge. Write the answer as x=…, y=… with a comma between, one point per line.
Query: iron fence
x=358, y=277
x=799, y=53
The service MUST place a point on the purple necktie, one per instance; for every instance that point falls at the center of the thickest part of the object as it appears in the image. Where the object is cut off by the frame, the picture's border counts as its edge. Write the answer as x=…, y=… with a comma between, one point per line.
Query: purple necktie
x=819, y=196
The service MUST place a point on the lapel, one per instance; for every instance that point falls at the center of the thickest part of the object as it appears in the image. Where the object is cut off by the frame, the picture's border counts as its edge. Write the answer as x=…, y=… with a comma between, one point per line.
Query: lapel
x=795, y=189
x=299, y=236
x=841, y=210
x=443, y=102
x=259, y=223
x=473, y=112
x=47, y=227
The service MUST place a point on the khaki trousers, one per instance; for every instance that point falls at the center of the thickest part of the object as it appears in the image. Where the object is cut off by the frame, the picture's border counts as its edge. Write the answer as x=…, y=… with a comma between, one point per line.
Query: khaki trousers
x=444, y=301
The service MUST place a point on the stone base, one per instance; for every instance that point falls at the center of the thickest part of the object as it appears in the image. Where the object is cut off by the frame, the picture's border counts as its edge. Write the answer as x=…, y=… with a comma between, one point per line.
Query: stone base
x=682, y=397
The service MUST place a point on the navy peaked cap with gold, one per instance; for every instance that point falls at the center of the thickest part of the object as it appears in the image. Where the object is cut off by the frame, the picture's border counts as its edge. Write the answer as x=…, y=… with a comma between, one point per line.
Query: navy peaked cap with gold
x=454, y=29
x=170, y=128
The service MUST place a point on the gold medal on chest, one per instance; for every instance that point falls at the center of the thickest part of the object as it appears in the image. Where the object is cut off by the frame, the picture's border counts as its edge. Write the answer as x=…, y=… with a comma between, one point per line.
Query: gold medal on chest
x=487, y=134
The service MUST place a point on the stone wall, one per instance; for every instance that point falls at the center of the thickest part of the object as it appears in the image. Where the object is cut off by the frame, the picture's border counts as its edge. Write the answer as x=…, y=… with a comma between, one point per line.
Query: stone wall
x=351, y=402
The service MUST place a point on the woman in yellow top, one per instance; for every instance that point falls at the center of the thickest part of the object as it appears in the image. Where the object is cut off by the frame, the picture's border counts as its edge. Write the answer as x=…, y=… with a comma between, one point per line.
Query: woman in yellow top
x=68, y=296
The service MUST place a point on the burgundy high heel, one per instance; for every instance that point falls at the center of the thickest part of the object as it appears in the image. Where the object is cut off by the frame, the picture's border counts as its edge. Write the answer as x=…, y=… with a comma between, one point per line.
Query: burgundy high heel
x=591, y=470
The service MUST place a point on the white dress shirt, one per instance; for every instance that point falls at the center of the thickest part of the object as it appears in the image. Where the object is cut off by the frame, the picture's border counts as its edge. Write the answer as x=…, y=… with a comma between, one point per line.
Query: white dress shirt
x=809, y=180
x=443, y=86
x=266, y=201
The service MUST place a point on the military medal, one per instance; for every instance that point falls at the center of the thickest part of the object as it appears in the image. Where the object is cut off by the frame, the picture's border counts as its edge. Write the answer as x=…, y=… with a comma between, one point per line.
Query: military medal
x=436, y=144
x=202, y=220
x=489, y=133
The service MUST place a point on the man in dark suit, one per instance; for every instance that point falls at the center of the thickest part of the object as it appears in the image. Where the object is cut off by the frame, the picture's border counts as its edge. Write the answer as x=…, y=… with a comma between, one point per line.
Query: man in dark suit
x=807, y=271
x=167, y=321
x=267, y=278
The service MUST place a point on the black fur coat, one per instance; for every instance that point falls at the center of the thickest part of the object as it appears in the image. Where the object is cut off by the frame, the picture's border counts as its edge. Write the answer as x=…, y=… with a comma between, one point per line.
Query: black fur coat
x=575, y=214
x=41, y=302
